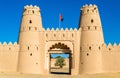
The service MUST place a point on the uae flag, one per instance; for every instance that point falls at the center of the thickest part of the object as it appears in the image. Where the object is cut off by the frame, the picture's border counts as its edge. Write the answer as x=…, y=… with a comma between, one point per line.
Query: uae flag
x=61, y=18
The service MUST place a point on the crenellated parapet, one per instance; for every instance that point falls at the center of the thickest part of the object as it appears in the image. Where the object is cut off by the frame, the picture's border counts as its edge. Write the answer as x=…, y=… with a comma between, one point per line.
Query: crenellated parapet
x=28, y=10
x=103, y=48
x=111, y=48
x=88, y=9
x=60, y=34
x=6, y=47
x=61, y=29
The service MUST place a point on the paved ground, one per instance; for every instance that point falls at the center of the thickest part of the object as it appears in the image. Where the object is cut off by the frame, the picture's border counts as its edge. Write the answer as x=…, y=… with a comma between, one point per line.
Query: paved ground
x=18, y=75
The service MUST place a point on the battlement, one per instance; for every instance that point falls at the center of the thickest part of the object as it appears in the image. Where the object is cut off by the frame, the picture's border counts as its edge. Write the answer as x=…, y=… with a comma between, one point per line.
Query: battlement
x=91, y=5
x=10, y=43
x=31, y=10
x=61, y=34
x=104, y=47
x=111, y=47
x=87, y=9
x=31, y=7
x=61, y=29
x=6, y=47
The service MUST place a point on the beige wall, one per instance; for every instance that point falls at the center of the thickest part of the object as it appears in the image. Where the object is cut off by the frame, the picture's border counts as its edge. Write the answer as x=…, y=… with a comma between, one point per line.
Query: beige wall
x=111, y=58
x=9, y=57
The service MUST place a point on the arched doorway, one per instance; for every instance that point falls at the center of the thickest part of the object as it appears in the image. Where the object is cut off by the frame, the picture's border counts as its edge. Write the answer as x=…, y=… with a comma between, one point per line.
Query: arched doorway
x=60, y=49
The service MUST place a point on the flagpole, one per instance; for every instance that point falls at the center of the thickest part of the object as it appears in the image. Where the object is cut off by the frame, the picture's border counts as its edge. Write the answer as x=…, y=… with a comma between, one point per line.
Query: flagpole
x=59, y=21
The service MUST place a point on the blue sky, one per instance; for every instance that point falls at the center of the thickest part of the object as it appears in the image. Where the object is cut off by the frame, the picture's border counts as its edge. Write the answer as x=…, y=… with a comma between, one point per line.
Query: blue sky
x=62, y=55
x=11, y=13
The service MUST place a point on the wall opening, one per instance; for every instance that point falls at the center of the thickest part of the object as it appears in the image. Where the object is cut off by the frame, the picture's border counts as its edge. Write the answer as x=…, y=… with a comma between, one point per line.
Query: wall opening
x=109, y=49
x=33, y=11
x=87, y=54
x=60, y=63
x=89, y=47
x=99, y=48
x=37, y=48
x=30, y=54
x=88, y=27
x=92, y=20
x=54, y=35
x=87, y=10
x=9, y=48
x=95, y=28
x=72, y=35
x=35, y=28
x=61, y=51
x=30, y=21
x=28, y=47
x=63, y=35
x=94, y=8
x=29, y=28
x=46, y=35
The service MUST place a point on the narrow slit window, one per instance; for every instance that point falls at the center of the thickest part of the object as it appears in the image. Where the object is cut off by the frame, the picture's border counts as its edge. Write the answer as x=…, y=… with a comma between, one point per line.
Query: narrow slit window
x=88, y=10
x=95, y=28
x=109, y=49
x=35, y=28
x=88, y=27
x=72, y=35
x=30, y=54
x=28, y=47
x=87, y=54
x=92, y=20
x=54, y=35
x=90, y=48
x=29, y=28
x=63, y=35
x=99, y=48
x=33, y=11
x=30, y=21
x=37, y=48
x=46, y=35
x=9, y=48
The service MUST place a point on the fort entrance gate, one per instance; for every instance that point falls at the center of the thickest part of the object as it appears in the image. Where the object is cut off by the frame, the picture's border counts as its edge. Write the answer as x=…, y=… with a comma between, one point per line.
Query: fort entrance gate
x=59, y=48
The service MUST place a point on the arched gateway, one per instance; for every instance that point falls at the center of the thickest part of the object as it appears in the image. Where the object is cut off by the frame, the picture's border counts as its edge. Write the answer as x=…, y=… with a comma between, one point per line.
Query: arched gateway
x=59, y=48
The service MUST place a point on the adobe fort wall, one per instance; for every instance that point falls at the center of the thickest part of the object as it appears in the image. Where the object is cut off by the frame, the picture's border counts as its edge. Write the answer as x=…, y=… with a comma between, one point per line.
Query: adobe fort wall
x=9, y=57
x=69, y=37
x=111, y=58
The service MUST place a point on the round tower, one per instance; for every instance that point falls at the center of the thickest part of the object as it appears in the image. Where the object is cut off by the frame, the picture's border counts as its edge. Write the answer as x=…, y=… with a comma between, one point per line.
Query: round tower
x=29, y=40
x=91, y=40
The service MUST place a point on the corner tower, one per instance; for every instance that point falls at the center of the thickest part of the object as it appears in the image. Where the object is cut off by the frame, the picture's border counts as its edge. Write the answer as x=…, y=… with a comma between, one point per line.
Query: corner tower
x=91, y=40
x=29, y=40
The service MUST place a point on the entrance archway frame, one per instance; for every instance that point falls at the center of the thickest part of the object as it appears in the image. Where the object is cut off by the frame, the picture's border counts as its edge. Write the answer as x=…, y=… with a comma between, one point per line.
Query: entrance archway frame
x=69, y=44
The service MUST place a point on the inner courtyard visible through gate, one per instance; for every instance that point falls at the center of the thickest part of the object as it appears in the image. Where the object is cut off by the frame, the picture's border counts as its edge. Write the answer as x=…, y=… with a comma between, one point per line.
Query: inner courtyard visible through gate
x=58, y=49
x=58, y=60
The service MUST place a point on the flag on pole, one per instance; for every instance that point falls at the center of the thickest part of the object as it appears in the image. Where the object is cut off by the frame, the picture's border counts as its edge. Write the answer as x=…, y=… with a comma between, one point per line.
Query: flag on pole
x=61, y=18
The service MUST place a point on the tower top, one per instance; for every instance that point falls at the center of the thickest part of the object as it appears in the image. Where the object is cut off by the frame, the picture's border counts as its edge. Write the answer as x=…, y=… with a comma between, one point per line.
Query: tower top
x=30, y=9
x=89, y=6
x=89, y=9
